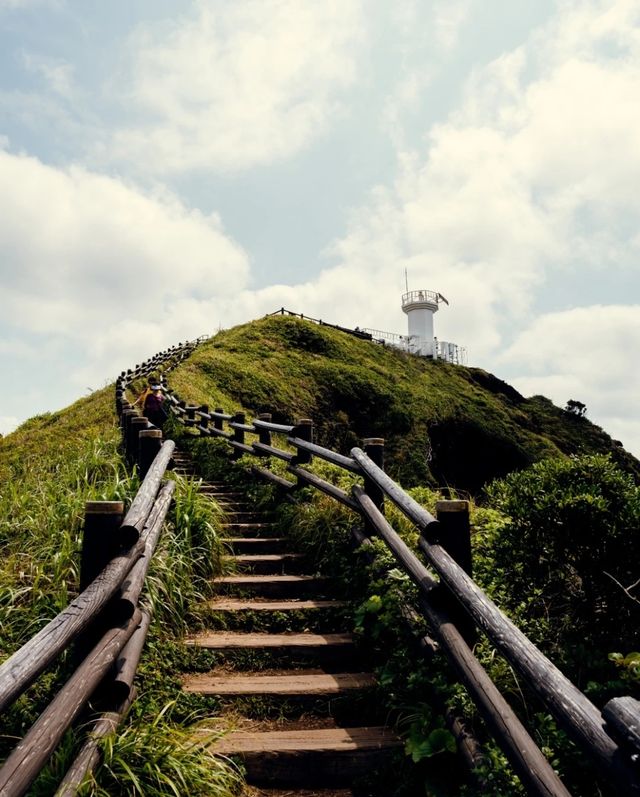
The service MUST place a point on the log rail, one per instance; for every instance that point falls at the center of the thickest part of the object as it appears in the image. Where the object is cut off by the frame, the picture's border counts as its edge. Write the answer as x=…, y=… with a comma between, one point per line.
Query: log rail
x=104, y=627
x=452, y=603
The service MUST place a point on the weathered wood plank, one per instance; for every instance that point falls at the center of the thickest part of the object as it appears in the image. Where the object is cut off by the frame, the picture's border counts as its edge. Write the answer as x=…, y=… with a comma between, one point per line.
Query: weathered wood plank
x=622, y=715
x=142, y=504
x=31, y=753
x=573, y=710
x=328, y=739
x=231, y=605
x=524, y=755
x=324, y=486
x=22, y=668
x=278, y=685
x=292, y=641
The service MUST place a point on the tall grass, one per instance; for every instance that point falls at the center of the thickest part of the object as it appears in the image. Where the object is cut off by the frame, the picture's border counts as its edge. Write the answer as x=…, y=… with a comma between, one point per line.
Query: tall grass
x=49, y=468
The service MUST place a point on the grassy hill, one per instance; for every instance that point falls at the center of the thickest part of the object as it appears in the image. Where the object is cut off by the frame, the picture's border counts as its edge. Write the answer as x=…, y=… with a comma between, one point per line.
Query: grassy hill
x=443, y=424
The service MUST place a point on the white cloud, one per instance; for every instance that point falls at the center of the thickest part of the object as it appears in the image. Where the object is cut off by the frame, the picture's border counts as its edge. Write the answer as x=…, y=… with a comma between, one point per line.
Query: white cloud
x=449, y=17
x=538, y=166
x=57, y=74
x=10, y=5
x=8, y=423
x=240, y=84
x=83, y=255
x=587, y=354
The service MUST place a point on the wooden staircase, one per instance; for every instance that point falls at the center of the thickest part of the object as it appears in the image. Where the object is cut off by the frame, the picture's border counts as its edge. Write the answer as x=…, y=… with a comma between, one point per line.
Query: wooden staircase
x=315, y=694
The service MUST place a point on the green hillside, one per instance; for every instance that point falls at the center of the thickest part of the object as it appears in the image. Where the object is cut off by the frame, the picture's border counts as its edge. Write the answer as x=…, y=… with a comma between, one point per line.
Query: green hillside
x=539, y=550
x=443, y=424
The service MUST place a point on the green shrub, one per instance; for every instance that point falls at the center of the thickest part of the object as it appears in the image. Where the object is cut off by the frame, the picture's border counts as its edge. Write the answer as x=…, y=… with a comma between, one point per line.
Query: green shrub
x=572, y=543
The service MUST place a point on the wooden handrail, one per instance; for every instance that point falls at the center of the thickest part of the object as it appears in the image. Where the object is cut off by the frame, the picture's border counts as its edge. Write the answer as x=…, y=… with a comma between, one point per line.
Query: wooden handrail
x=32, y=752
x=21, y=669
x=580, y=718
x=522, y=752
x=327, y=454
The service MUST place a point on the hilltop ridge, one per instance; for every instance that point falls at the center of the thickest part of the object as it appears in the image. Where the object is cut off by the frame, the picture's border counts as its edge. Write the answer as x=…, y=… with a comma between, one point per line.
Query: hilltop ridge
x=443, y=424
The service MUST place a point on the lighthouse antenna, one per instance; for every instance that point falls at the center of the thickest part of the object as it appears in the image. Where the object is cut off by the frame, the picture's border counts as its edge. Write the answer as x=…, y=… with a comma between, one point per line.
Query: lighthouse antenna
x=406, y=281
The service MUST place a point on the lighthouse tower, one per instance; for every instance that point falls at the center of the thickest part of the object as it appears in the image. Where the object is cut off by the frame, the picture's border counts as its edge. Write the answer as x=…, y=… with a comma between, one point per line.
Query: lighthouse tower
x=420, y=307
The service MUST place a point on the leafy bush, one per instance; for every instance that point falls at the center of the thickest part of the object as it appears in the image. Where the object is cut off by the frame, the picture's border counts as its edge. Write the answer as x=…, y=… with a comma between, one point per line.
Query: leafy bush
x=572, y=543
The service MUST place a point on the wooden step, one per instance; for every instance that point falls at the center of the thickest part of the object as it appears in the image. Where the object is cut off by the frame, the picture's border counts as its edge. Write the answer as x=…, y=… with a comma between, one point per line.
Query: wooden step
x=309, y=684
x=275, y=586
x=267, y=563
x=221, y=493
x=255, y=545
x=249, y=529
x=239, y=605
x=248, y=516
x=318, y=757
x=251, y=791
x=294, y=644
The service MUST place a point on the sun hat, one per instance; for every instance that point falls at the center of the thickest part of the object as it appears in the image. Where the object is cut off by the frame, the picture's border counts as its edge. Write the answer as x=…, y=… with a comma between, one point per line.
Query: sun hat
x=156, y=387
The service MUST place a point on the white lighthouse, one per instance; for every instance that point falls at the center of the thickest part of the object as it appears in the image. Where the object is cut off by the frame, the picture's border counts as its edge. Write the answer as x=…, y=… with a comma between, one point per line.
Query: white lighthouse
x=420, y=307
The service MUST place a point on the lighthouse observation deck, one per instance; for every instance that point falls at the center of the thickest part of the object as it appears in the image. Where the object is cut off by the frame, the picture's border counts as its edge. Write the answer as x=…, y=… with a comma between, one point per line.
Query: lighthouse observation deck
x=420, y=297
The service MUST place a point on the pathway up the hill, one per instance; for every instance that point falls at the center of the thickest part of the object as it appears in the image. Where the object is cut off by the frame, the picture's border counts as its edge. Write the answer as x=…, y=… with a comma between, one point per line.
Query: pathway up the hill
x=289, y=677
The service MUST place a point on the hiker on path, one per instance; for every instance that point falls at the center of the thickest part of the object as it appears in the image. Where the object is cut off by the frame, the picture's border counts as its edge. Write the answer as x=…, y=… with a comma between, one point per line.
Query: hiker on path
x=146, y=392
x=154, y=409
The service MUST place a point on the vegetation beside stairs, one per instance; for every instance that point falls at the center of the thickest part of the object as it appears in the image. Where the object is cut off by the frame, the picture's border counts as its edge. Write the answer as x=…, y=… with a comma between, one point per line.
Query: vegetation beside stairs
x=298, y=709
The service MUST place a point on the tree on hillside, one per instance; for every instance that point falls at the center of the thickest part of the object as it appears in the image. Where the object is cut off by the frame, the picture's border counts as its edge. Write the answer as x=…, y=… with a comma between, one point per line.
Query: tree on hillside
x=576, y=408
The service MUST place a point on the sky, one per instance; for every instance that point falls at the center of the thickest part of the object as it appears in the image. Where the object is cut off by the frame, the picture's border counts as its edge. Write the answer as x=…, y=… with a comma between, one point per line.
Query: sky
x=169, y=168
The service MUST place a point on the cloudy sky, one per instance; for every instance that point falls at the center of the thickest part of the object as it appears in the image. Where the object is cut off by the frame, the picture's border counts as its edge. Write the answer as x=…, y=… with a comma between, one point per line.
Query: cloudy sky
x=169, y=167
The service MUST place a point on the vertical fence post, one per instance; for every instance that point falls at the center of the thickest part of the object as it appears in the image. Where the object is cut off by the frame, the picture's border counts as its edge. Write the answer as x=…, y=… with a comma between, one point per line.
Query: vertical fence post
x=303, y=430
x=136, y=425
x=218, y=423
x=102, y=519
x=204, y=422
x=454, y=535
x=374, y=449
x=238, y=434
x=264, y=435
x=149, y=443
x=100, y=543
x=191, y=415
x=127, y=414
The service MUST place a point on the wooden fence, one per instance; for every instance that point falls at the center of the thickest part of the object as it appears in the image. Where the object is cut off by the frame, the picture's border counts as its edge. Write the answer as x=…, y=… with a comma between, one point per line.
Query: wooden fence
x=450, y=601
x=356, y=333
x=104, y=627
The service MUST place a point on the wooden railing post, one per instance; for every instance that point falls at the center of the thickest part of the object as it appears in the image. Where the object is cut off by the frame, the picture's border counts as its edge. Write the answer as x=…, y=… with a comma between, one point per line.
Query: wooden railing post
x=374, y=449
x=127, y=415
x=454, y=535
x=136, y=425
x=191, y=415
x=149, y=443
x=101, y=542
x=264, y=435
x=304, y=431
x=204, y=422
x=102, y=519
x=454, y=532
x=238, y=434
x=218, y=423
